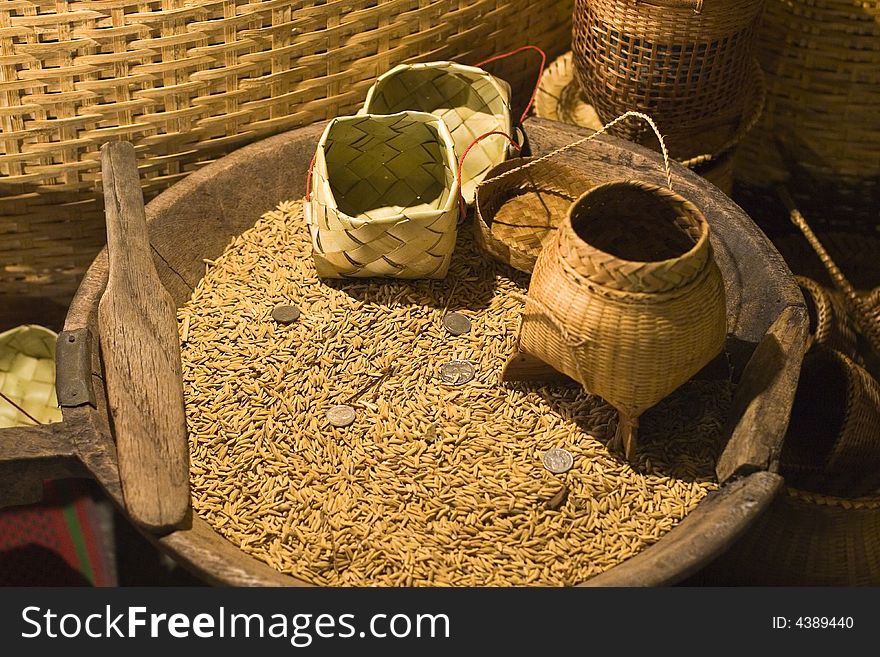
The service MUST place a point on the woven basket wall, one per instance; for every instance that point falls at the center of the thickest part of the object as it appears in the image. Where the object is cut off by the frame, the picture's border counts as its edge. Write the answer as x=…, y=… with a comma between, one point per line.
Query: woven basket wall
x=187, y=81
x=833, y=441
x=687, y=64
x=821, y=125
x=805, y=539
x=470, y=101
x=384, y=197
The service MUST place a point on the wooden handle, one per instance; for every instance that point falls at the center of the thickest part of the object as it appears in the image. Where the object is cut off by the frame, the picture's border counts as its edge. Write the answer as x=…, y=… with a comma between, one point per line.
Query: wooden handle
x=764, y=398
x=141, y=352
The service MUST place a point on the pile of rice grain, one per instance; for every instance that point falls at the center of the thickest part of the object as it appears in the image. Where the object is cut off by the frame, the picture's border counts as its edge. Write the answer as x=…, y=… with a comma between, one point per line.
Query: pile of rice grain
x=433, y=484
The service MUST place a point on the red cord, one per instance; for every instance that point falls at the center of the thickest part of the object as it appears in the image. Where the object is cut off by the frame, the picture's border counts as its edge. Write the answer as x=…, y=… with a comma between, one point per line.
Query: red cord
x=462, y=204
x=540, y=73
x=309, y=178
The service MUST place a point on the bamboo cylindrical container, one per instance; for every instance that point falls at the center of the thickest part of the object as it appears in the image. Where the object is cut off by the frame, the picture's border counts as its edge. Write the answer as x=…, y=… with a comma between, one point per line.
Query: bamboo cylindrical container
x=687, y=63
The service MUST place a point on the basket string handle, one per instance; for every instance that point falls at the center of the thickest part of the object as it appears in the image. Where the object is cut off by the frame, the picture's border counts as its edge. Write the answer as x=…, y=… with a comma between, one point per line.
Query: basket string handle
x=583, y=140
x=462, y=204
x=495, y=58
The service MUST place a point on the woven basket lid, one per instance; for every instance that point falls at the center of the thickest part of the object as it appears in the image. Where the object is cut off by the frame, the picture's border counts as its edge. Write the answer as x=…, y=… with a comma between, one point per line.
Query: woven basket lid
x=560, y=99
x=27, y=376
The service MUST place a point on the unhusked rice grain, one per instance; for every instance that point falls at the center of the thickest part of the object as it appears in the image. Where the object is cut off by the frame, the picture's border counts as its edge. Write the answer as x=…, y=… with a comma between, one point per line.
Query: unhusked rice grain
x=433, y=484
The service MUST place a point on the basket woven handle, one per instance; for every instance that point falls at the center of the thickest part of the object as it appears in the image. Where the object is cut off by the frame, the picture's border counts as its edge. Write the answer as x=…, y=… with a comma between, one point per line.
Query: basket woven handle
x=867, y=319
x=604, y=128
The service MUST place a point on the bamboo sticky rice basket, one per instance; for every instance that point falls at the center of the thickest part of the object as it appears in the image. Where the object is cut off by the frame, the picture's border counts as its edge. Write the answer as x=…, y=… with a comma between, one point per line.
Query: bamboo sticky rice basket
x=470, y=101
x=631, y=314
x=384, y=197
x=686, y=63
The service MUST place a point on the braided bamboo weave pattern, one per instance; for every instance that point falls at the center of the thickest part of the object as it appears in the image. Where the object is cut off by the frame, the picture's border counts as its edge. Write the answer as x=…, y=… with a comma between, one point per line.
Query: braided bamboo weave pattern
x=833, y=442
x=685, y=63
x=822, y=65
x=384, y=198
x=829, y=323
x=470, y=101
x=630, y=278
x=807, y=539
x=517, y=214
x=27, y=377
x=187, y=81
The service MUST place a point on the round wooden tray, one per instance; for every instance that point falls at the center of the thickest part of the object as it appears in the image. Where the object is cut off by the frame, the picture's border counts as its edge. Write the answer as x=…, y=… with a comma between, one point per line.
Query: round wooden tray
x=196, y=218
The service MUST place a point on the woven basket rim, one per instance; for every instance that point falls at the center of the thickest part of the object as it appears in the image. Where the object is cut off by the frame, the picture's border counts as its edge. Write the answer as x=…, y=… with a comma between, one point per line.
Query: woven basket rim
x=44, y=332
x=448, y=155
x=501, y=86
x=692, y=210
x=866, y=502
x=511, y=253
x=817, y=296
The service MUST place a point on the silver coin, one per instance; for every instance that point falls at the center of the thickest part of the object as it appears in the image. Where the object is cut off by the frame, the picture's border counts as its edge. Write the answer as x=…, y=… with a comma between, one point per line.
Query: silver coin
x=341, y=416
x=285, y=314
x=558, y=460
x=457, y=372
x=456, y=323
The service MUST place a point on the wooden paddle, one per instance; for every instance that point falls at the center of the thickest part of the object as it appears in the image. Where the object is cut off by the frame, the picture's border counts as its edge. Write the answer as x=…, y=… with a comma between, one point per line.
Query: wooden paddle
x=141, y=352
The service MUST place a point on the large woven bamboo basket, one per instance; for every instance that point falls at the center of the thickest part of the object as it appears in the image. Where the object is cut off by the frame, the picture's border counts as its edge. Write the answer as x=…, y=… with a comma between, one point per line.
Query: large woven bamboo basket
x=806, y=539
x=559, y=98
x=384, y=197
x=830, y=326
x=821, y=127
x=189, y=81
x=469, y=100
x=833, y=441
x=627, y=298
x=684, y=62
